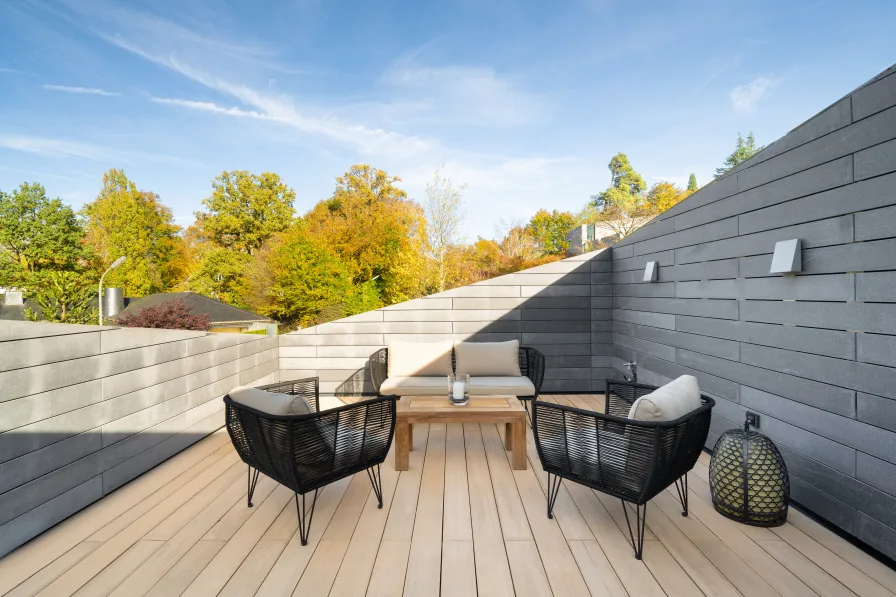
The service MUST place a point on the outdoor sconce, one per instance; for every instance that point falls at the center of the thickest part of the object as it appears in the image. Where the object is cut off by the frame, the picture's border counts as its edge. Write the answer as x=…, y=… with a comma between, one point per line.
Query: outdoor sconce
x=651, y=271
x=788, y=257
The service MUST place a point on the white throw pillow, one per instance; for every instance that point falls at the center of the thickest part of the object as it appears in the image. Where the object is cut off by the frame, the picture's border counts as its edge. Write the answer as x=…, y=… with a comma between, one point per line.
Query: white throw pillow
x=270, y=402
x=669, y=402
x=488, y=359
x=424, y=359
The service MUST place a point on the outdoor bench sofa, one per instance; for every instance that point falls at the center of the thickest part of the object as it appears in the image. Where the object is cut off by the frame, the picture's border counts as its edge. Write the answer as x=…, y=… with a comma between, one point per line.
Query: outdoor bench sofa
x=422, y=368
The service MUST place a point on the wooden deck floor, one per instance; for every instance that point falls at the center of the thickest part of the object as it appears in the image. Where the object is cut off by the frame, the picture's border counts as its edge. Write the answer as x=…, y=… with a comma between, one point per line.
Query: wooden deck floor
x=459, y=522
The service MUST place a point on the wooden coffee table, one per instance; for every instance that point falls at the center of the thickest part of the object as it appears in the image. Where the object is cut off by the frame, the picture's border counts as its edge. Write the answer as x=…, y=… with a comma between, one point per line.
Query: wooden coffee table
x=481, y=409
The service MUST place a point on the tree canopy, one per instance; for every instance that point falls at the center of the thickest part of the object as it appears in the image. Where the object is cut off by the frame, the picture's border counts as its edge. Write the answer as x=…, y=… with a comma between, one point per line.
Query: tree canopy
x=624, y=206
x=244, y=210
x=375, y=230
x=549, y=229
x=294, y=279
x=126, y=221
x=692, y=183
x=36, y=233
x=443, y=208
x=743, y=151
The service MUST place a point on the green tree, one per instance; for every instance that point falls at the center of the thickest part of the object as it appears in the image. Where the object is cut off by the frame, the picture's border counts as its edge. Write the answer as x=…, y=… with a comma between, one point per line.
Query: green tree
x=692, y=183
x=244, y=210
x=550, y=230
x=126, y=221
x=63, y=297
x=294, y=279
x=36, y=234
x=624, y=206
x=219, y=274
x=744, y=150
x=374, y=229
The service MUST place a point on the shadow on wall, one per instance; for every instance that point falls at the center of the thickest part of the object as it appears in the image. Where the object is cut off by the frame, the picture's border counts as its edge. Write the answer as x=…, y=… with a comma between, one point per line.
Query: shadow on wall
x=563, y=309
x=46, y=486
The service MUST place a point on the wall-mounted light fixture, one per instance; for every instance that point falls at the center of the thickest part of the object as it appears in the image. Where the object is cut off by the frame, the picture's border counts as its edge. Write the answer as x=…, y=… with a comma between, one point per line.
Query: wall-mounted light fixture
x=651, y=271
x=788, y=257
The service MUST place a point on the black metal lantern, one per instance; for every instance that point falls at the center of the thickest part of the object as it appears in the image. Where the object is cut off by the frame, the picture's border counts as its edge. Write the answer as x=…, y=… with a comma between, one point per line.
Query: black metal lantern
x=748, y=478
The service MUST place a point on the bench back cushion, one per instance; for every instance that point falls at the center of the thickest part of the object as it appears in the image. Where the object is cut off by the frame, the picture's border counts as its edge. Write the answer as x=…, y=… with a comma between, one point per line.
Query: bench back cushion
x=488, y=359
x=270, y=402
x=419, y=359
x=669, y=402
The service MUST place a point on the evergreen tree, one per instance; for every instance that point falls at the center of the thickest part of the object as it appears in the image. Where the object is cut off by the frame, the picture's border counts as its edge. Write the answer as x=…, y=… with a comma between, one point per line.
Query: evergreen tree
x=692, y=183
x=744, y=151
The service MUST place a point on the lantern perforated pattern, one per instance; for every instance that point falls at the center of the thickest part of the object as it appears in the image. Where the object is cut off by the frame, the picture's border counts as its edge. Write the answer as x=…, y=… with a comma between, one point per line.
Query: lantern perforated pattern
x=757, y=494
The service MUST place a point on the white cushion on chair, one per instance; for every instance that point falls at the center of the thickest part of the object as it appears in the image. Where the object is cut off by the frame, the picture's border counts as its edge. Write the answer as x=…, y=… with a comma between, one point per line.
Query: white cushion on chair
x=270, y=402
x=518, y=385
x=669, y=402
x=488, y=359
x=422, y=359
x=415, y=386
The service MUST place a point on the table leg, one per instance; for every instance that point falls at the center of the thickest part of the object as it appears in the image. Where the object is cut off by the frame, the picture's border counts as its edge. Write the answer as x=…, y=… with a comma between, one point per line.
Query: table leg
x=410, y=437
x=519, y=445
x=402, y=445
x=508, y=436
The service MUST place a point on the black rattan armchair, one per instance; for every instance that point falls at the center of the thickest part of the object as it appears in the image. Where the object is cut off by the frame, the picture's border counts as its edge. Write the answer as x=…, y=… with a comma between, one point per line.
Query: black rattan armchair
x=306, y=452
x=531, y=366
x=629, y=459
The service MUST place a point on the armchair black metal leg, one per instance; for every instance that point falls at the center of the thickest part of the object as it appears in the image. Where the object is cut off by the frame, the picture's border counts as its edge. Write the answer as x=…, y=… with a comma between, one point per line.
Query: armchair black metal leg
x=681, y=485
x=305, y=516
x=637, y=538
x=251, y=481
x=553, y=491
x=377, y=482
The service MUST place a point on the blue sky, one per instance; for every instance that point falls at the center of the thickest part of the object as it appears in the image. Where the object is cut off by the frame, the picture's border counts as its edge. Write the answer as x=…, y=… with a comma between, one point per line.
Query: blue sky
x=524, y=101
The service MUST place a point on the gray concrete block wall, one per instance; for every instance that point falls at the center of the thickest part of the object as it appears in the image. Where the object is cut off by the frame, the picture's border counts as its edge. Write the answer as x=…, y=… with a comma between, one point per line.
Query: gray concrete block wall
x=84, y=409
x=563, y=309
x=814, y=353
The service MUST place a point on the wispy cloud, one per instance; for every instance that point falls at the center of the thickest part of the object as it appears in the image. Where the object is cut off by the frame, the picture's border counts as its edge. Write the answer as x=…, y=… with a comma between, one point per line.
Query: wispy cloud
x=460, y=94
x=210, y=107
x=65, y=148
x=746, y=98
x=11, y=71
x=49, y=147
x=84, y=90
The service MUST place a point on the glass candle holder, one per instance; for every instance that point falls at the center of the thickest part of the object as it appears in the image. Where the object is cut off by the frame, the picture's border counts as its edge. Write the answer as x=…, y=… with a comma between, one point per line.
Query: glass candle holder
x=459, y=389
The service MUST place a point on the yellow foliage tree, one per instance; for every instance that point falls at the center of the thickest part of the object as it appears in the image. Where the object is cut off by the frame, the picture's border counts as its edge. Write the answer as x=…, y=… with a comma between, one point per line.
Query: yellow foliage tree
x=375, y=230
x=663, y=195
x=126, y=221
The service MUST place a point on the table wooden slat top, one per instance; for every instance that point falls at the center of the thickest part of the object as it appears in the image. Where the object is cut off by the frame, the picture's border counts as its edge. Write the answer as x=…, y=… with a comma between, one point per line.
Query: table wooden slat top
x=414, y=410
x=476, y=406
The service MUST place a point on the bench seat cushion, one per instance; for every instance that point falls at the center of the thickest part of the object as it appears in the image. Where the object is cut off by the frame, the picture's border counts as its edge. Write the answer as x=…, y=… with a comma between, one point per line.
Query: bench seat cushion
x=519, y=385
x=415, y=386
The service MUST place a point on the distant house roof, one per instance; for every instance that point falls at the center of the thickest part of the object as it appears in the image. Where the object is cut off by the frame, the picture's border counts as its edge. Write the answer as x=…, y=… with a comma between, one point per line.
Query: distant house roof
x=219, y=313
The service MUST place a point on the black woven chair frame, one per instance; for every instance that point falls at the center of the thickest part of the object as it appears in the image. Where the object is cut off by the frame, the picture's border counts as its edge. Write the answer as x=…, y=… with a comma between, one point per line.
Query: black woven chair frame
x=627, y=459
x=531, y=366
x=307, y=452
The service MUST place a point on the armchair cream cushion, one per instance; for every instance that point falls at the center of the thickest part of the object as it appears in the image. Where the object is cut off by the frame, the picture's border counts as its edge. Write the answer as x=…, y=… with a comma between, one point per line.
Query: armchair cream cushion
x=419, y=359
x=669, y=402
x=270, y=402
x=488, y=359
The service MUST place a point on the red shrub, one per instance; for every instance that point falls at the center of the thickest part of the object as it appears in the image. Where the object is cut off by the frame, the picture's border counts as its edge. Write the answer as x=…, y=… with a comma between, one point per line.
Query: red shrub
x=170, y=315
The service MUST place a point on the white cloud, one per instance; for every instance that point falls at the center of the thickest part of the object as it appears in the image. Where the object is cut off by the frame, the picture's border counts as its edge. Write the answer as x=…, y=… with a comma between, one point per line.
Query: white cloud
x=746, y=98
x=85, y=90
